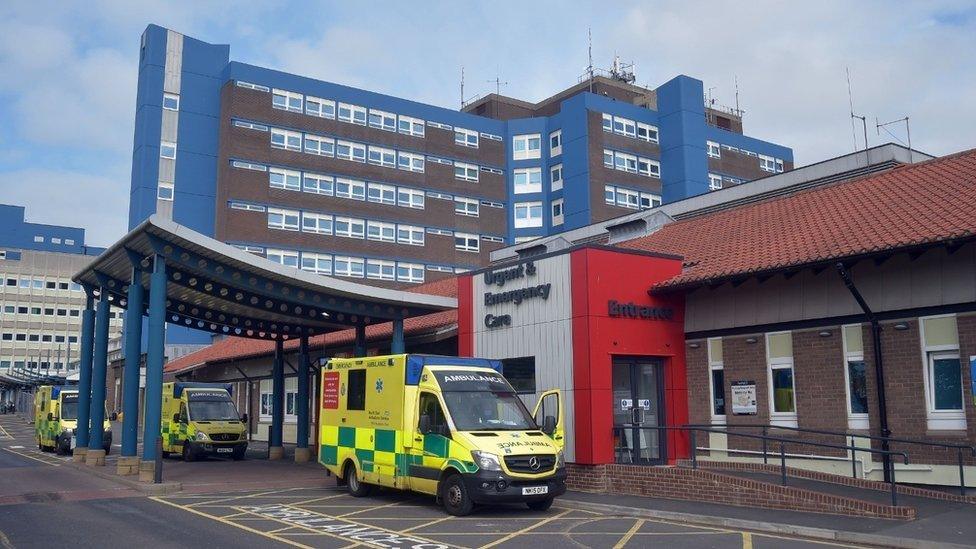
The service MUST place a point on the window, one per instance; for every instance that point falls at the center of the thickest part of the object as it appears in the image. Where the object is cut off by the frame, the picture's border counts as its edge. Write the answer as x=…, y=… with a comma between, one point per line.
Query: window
x=556, y=143
x=347, y=150
x=283, y=219
x=943, y=373
x=716, y=368
x=284, y=139
x=284, y=257
x=246, y=207
x=167, y=149
x=356, y=399
x=528, y=214
x=318, y=184
x=779, y=357
x=348, y=266
x=465, y=138
x=625, y=162
x=316, y=223
x=380, y=269
x=647, y=132
x=284, y=179
x=607, y=122
x=466, y=206
x=384, y=232
x=350, y=188
x=610, y=194
x=322, y=146
x=770, y=164
x=649, y=200
x=410, y=234
x=411, y=126
x=382, y=120
x=411, y=162
x=290, y=101
x=323, y=108
x=69, y=242
x=526, y=146
x=467, y=172
x=627, y=198
x=855, y=377
x=353, y=114
x=410, y=198
x=714, y=149
x=382, y=157
x=250, y=125
x=714, y=182
x=607, y=158
x=164, y=191
x=556, y=177
x=520, y=373
x=648, y=167
x=349, y=227
x=410, y=272
x=528, y=180
x=624, y=126
x=381, y=194
x=431, y=407
x=466, y=242
x=171, y=102
x=557, y=212
x=317, y=263
x=249, y=166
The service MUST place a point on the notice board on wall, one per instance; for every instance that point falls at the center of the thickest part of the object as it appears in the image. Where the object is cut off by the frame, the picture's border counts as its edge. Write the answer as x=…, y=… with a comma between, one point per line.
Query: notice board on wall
x=744, y=398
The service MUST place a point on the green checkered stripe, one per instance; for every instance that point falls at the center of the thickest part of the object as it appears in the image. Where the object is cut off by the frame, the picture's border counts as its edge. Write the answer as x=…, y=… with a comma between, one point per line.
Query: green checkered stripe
x=173, y=433
x=378, y=447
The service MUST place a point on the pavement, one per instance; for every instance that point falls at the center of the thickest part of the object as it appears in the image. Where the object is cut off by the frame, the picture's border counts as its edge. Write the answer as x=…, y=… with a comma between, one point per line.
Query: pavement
x=255, y=502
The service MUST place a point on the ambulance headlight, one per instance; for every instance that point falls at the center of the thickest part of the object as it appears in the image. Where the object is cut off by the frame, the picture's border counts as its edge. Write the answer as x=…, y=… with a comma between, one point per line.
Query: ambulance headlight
x=201, y=436
x=486, y=461
x=560, y=459
x=67, y=432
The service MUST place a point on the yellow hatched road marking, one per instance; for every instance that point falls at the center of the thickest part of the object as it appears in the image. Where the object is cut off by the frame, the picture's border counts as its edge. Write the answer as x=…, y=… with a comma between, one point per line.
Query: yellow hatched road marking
x=431, y=523
x=313, y=500
x=630, y=533
x=5, y=434
x=523, y=530
x=746, y=540
x=350, y=521
x=259, y=494
x=395, y=503
x=44, y=461
x=232, y=523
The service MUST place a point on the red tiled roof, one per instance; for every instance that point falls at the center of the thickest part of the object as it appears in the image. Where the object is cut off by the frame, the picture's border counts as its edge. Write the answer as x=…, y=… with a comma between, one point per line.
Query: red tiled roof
x=929, y=202
x=238, y=348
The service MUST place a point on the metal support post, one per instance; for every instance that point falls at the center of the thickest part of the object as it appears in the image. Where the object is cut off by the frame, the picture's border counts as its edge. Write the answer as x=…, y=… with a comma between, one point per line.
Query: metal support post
x=85, y=370
x=301, y=437
x=782, y=463
x=133, y=363
x=276, y=450
x=360, y=347
x=154, y=357
x=397, y=346
x=99, y=366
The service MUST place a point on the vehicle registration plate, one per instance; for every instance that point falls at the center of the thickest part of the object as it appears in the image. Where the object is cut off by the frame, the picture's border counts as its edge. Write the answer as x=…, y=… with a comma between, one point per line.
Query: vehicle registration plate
x=224, y=450
x=535, y=490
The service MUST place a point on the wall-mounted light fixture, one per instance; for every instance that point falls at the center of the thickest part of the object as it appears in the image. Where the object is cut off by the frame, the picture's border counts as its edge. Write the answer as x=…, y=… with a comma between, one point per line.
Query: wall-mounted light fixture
x=751, y=340
x=901, y=326
x=824, y=333
x=694, y=345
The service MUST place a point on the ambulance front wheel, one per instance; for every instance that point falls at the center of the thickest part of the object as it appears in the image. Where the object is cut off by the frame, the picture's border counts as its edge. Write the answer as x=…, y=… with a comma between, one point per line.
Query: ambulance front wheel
x=357, y=488
x=455, y=496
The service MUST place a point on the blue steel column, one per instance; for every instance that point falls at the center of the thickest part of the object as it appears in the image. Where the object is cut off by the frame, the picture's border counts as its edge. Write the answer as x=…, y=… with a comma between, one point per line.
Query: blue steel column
x=133, y=356
x=277, y=401
x=99, y=366
x=154, y=359
x=84, y=373
x=360, y=347
x=397, y=346
x=301, y=439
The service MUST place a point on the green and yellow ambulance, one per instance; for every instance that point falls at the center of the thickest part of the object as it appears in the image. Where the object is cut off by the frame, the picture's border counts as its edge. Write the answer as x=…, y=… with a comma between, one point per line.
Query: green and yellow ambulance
x=200, y=419
x=56, y=418
x=446, y=426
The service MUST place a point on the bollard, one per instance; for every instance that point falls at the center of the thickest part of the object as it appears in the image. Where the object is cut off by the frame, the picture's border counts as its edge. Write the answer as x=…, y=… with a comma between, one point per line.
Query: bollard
x=962, y=475
x=694, y=451
x=853, y=459
x=158, y=466
x=269, y=442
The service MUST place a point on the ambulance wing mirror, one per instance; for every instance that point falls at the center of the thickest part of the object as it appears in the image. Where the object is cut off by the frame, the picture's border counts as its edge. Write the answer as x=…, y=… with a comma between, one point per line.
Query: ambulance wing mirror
x=549, y=425
x=244, y=418
x=114, y=416
x=424, y=425
x=50, y=416
x=176, y=417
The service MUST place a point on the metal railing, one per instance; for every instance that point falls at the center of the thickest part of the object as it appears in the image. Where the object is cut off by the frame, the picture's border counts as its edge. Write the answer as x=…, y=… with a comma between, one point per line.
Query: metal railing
x=853, y=436
x=765, y=438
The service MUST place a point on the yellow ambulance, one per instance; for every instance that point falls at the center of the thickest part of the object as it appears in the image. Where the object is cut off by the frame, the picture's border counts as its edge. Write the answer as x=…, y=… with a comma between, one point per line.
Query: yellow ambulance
x=446, y=426
x=56, y=418
x=200, y=419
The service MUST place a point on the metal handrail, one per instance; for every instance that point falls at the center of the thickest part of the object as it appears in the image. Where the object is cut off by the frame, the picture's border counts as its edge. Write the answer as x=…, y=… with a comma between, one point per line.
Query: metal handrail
x=847, y=434
x=691, y=430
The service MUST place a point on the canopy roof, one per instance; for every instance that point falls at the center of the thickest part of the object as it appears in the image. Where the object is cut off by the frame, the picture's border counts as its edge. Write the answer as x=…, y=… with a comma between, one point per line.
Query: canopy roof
x=215, y=287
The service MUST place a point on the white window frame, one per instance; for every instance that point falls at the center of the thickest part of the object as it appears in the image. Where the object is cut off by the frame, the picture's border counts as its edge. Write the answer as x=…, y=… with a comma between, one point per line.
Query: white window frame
x=625, y=162
x=410, y=198
x=713, y=365
x=467, y=245
x=609, y=195
x=357, y=114
x=357, y=188
x=556, y=177
x=410, y=272
x=410, y=235
x=627, y=198
x=316, y=266
x=285, y=214
x=624, y=126
x=607, y=122
x=381, y=194
x=528, y=186
x=649, y=201
x=168, y=196
x=165, y=147
x=466, y=171
x=381, y=156
x=608, y=158
x=558, y=218
x=557, y=148
x=357, y=151
x=289, y=140
x=287, y=176
x=941, y=420
x=410, y=162
x=290, y=101
x=651, y=134
x=409, y=125
x=522, y=149
x=316, y=223
x=351, y=263
x=529, y=220
x=356, y=227
x=319, y=145
x=714, y=149
x=381, y=231
x=781, y=419
x=714, y=182
x=648, y=167
x=467, y=206
x=855, y=421
x=172, y=97
x=387, y=121
x=386, y=269
x=465, y=138
x=325, y=108
x=283, y=256
x=313, y=183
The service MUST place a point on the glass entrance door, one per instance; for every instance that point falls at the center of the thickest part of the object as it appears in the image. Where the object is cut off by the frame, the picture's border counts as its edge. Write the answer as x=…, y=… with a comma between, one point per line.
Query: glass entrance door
x=638, y=406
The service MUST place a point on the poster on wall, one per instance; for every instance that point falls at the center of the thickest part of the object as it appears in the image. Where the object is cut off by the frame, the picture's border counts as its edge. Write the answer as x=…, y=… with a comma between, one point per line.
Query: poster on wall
x=743, y=398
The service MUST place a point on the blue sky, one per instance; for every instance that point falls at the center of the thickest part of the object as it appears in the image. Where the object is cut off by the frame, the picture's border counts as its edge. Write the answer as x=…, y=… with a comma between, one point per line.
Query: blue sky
x=68, y=71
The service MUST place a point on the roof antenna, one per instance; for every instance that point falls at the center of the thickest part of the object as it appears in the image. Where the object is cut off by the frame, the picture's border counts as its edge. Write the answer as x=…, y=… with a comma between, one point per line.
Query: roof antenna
x=879, y=126
x=863, y=119
x=497, y=82
x=589, y=68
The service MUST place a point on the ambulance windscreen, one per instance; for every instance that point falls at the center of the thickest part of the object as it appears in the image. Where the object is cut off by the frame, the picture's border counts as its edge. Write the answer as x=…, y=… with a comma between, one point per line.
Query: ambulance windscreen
x=483, y=402
x=212, y=406
x=69, y=405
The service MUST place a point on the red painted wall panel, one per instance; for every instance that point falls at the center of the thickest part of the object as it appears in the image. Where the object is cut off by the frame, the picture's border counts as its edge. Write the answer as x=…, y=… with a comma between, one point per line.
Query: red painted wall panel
x=465, y=316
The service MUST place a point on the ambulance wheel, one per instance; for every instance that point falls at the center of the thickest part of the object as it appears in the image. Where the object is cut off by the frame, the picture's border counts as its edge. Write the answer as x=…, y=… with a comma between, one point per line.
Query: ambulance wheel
x=357, y=488
x=541, y=505
x=165, y=454
x=238, y=455
x=187, y=453
x=456, y=500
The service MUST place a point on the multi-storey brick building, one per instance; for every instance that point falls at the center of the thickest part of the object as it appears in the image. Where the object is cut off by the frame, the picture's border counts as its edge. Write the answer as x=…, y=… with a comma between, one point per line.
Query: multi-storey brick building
x=347, y=182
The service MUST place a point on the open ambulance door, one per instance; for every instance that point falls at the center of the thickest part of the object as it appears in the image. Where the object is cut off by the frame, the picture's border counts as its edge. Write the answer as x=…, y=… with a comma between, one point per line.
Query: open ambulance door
x=548, y=414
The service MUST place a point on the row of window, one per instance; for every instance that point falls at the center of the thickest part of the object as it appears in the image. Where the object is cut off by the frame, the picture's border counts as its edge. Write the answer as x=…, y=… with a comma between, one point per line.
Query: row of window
x=627, y=198
x=766, y=163
x=942, y=374
x=39, y=283
x=31, y=365
x=9, y=309
x=320, y=263
x=630, y=128
x=631, y=163
x=37, y=338
x=55, y=240
x=716, y=181
x=362, y=116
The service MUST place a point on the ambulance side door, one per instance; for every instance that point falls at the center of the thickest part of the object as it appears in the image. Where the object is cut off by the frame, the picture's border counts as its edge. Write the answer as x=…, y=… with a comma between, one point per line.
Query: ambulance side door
x=550, y=409
x=431, y=444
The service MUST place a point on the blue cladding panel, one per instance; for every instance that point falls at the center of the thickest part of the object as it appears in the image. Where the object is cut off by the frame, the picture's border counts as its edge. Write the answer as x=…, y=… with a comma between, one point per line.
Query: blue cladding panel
x=15, y=232
x=575, y=160
x=684, y=164
x=145, y=146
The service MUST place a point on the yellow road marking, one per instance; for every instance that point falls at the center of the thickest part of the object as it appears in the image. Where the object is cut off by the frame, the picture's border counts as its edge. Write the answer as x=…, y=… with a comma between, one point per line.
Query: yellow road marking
x=523, y=530
x=45, y=462
x=412, y=528
x=231, y=523
x=807, y=540
x=222, y=500
x=746, y=540
x=313, y=530
x=5, y=434
x=313, y=500
x=372, y=508
x=630, y=533
x=350, y=521
x=5, y=541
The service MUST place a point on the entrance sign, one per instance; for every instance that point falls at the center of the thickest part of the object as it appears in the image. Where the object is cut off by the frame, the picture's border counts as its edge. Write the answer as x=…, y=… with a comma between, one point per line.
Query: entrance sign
x=633, y=310
x=744, y=398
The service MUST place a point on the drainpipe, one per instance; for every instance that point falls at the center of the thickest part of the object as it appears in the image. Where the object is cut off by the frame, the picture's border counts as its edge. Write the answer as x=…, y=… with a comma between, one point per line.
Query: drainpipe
x=878, y=365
